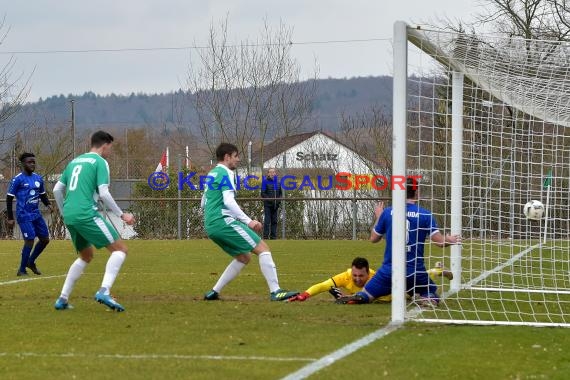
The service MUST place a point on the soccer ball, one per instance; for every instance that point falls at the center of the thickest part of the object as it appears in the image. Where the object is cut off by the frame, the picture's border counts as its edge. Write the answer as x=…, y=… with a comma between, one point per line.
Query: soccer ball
x=534, y=210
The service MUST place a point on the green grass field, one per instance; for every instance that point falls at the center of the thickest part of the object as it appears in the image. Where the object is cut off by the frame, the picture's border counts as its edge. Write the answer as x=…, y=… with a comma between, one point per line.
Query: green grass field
x=168, y=331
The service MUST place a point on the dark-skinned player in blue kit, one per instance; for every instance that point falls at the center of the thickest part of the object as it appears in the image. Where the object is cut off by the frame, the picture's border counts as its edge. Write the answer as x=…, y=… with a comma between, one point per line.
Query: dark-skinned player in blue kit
x=28, y=189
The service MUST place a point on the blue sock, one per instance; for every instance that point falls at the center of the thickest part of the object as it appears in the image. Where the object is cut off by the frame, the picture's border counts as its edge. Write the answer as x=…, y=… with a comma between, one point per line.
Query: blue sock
x=38, y=249
x=25, y=257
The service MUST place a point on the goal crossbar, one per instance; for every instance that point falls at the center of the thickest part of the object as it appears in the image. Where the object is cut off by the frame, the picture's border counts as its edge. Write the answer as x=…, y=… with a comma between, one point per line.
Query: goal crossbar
x=505, y=83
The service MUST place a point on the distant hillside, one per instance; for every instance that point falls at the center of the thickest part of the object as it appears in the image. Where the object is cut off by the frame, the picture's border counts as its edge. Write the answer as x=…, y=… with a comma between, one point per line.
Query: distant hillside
x=163, y=110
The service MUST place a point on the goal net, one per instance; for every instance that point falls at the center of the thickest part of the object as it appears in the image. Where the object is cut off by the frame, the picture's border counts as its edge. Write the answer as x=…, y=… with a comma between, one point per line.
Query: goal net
x=487, y=120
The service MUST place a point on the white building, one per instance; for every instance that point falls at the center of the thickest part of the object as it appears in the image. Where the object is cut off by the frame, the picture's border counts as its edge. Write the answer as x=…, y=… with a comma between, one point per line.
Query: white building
x=313, y=152
x=313, y=155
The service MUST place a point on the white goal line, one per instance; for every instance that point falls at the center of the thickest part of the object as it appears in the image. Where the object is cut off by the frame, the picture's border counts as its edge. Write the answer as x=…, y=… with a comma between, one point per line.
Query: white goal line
x=342, y=352
x=498, y=268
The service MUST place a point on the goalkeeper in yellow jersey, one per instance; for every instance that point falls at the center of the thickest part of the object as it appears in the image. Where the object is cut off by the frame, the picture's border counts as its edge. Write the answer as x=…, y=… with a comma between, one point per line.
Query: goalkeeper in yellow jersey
x=354, y=279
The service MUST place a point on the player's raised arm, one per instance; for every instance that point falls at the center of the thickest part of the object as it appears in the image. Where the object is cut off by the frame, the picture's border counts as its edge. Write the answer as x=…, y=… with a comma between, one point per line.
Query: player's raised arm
x=375, y=232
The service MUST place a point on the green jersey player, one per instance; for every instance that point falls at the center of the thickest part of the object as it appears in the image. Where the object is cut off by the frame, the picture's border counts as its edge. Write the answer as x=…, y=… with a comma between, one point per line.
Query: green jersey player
x=231, y=229
x=85, y=180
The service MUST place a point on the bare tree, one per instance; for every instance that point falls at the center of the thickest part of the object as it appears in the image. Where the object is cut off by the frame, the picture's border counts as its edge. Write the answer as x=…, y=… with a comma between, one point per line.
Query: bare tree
x=293, y=106
x=248, y=91
x=284, y=102
x=370, y=134
x=211, y=82
x=53, y=153
x=530, y=19
x=136, y=153
x=14, y=89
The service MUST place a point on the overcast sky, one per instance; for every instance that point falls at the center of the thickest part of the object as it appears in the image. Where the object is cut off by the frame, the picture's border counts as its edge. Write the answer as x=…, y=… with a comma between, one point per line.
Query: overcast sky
x=71, y=25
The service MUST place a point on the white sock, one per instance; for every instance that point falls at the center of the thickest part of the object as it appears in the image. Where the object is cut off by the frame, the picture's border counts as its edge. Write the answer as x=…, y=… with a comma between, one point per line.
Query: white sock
x=75, y=271
x=269, y=271
x=231, y=272
x=112, y=269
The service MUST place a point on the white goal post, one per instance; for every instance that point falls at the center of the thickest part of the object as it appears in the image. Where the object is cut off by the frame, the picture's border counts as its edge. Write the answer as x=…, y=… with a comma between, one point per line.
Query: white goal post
x=486, y=120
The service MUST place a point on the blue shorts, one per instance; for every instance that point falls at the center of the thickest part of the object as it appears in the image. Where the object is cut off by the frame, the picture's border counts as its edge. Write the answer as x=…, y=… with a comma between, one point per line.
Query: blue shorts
x=34, y=228
x=416, y=283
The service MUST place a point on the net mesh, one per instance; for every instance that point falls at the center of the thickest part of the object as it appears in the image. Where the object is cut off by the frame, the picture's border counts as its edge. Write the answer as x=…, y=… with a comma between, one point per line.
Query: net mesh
x=516, y=148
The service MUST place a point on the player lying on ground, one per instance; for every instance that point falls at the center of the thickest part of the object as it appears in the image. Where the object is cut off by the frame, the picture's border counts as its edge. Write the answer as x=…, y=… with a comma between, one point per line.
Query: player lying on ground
x=421, y=224
x=353, y=280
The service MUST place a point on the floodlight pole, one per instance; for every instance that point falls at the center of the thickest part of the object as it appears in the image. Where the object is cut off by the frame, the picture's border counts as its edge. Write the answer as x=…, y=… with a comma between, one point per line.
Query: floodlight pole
x=127, y=150
x=249, y=157
x=73, y=126
x=283, y=203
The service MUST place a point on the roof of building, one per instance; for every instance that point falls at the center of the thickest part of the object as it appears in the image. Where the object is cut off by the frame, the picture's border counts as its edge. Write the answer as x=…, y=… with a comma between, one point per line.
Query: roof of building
x=282, y=144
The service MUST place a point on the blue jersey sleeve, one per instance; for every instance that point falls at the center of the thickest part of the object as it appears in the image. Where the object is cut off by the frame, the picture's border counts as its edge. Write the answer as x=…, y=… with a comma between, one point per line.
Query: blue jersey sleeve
x=14, y=184
x=42, y=187
x=381, y=226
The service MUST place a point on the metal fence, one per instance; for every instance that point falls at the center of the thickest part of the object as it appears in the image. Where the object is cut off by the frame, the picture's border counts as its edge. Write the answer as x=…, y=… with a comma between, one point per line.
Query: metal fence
x=176, y=214
x=182, y=218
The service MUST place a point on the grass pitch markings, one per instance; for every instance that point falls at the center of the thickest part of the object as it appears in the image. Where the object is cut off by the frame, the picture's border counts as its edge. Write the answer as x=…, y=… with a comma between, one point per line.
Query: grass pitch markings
x=30, y=279
x=341, y=353
x=499, y=267
x=152, y=356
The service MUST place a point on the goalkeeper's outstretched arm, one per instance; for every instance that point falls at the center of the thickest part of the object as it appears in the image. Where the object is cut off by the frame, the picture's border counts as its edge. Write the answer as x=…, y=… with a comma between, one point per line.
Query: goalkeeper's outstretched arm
x=321, y=287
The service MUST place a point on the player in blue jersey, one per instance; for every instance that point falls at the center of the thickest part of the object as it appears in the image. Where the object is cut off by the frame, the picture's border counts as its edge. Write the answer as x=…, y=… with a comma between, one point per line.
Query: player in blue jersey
x=28, y=189
x=421, y=224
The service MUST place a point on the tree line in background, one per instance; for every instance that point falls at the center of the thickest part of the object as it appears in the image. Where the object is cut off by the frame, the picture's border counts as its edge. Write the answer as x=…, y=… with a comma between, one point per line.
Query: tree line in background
x=236, y=93
x=251, y=91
